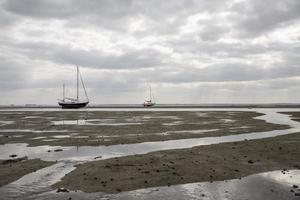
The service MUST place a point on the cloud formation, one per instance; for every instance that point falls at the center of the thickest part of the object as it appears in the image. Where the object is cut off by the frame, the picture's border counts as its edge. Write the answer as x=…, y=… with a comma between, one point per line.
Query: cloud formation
x=192, y=51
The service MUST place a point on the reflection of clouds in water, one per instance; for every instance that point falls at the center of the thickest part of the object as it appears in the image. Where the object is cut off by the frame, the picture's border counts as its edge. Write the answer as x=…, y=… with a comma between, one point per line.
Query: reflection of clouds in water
x=32, y=117
x=161, y=117
x=80, y=137
x=38, y=138
x=174, y=123
x=201, y=114
x=32, y=131
x=61, y=136
x=92, y=122
x=3, y=123
x=240, y=127
x=254, y=187
x=186, y=131
x=228, y=120
x=287, y=178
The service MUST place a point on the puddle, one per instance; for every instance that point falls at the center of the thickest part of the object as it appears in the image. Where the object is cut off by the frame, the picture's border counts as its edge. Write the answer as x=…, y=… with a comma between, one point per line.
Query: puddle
x=241, y=127
x=32, y=117
x=3, y=123
x=188, y=131
x=173, y=123
x=61, y=136
x=201, y=114
x=81, y=136
x=11, y=113
x=70, y=122
x=37, y=138
x=228, y=120
x=50, y=140
x=17, y=136
x=93, y=123
x=14, y=136
x=31, y=131
x=120, y=124
x=161, y=117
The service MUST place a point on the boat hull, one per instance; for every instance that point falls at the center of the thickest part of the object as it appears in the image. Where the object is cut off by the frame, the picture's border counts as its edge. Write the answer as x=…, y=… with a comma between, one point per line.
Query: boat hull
x=148, y=104
x=73, y=105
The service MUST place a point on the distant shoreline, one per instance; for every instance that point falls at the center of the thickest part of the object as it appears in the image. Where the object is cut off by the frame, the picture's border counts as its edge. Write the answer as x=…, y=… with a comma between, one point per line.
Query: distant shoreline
x=165, y=106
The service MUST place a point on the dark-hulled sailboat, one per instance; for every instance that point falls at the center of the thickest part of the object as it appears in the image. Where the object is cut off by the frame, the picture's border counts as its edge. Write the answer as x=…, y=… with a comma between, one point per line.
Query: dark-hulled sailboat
x=67, y=102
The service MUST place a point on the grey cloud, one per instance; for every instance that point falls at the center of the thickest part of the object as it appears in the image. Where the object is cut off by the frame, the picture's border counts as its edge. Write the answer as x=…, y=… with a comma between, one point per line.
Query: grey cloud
x=256, y=17
x=239, y=49
x=248, y=18
x=228, y=72
x=161, y=17
x=13, y=75
x=64, y=54
x=40, y=8
x=7, y=19
x=213, y=32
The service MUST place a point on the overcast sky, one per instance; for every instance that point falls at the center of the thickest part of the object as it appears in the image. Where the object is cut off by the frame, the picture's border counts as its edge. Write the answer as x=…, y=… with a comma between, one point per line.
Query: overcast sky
x=190, y=51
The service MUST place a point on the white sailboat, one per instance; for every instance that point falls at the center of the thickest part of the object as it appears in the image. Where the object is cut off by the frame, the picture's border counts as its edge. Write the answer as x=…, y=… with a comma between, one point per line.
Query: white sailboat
x=68, y=102
x=150, y=102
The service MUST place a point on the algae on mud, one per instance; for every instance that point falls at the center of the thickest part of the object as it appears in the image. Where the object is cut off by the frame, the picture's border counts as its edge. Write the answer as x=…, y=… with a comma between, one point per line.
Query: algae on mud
x=171, y=167
x=93, y=128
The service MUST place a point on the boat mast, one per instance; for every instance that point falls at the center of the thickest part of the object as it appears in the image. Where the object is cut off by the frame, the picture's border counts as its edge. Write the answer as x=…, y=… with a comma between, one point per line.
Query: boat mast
x=64, y=92
x=83, y=87
x=150, y=94
x=77, y=84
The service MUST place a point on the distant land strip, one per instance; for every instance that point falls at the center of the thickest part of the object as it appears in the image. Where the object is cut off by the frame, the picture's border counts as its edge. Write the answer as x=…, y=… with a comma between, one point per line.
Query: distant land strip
x=279, y=105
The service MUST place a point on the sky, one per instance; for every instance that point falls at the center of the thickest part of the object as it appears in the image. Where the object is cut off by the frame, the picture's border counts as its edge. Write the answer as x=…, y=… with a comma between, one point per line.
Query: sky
x=189, y=51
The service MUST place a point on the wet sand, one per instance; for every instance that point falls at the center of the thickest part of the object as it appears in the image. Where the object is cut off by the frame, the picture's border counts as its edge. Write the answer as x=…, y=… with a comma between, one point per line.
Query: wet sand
x=13, y=169
x=198, y=164
x=94, y=128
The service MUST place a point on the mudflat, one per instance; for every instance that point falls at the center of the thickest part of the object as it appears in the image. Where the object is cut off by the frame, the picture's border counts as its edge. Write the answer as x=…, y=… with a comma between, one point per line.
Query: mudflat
x=163, y=168
x=13, y=169
x=171, y=167
x=94, y=128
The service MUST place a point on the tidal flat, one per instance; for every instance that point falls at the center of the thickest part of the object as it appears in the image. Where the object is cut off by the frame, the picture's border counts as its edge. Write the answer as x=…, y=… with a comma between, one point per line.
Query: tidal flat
x=198, y=164
x=112, y=152
x=94, y=128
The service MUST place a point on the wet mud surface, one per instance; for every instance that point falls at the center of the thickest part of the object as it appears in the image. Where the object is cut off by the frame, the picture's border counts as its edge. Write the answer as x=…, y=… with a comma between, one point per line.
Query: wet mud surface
x=13, y=169
x=161, y=154
x=274, y=185
x=198, y=164
x=94, y=128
